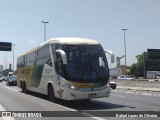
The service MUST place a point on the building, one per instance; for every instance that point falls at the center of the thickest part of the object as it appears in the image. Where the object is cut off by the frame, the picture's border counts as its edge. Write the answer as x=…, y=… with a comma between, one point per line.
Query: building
x=115, y=72
x=153, y=74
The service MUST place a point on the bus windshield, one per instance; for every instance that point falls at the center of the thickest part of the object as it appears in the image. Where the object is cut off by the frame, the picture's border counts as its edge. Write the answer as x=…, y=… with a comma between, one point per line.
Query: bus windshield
x=86, y=63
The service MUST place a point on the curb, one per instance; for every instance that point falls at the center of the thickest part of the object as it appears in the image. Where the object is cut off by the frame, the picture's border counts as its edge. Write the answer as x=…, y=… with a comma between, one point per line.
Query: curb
x=139, y=88
x=154, y=80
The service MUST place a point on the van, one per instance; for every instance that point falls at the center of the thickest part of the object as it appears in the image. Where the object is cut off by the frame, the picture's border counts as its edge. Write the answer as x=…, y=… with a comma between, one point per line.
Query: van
x=10, y=74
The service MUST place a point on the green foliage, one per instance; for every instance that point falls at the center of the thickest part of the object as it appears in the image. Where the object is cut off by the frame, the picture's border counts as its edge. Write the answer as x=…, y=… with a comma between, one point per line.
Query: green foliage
x=137, y=69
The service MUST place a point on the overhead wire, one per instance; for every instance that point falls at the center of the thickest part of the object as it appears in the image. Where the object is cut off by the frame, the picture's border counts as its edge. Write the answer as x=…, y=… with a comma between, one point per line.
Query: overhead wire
x=67, y=10
x=60, y=14
x=145, y=27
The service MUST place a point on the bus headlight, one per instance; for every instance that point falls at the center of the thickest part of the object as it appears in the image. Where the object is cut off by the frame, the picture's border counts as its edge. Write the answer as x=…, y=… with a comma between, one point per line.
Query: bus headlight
x=68, y=85
x=72, y=86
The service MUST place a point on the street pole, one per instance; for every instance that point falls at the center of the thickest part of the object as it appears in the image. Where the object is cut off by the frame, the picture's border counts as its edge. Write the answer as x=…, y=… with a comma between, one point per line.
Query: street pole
x=125, y=48
x=144, y=65
x=6, y=59
x=4, y=63
x=13, y=56
x=45, y=22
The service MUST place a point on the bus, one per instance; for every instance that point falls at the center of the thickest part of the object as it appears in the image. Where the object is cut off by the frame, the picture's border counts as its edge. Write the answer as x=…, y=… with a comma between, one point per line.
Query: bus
x=65, y=68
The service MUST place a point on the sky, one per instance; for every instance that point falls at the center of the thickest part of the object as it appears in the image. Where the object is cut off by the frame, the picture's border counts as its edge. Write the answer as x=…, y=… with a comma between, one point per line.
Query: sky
x=101, y=20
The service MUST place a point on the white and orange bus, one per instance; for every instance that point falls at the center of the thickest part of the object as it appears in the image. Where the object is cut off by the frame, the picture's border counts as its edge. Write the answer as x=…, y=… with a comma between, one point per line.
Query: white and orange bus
x=65, y=68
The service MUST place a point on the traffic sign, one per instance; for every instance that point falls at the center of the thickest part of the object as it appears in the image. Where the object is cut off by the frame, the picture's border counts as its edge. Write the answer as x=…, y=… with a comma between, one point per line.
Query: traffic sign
x=5, y=46
x=153, y=54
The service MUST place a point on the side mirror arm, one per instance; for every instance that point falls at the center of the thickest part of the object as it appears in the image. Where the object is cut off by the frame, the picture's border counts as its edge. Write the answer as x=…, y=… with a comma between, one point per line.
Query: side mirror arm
x=63, y=55
x=111, y=55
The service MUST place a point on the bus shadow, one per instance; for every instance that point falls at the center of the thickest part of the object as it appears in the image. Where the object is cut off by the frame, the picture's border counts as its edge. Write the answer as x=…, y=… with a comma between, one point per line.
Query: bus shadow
x=82, y=105
x=93, y=105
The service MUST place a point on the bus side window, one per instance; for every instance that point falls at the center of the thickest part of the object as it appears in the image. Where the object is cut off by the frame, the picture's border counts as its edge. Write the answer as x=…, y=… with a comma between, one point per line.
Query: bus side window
x=59, y=64
x=46, y=56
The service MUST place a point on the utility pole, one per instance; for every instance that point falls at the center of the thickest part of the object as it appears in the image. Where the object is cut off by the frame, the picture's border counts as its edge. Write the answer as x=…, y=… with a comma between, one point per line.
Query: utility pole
x=125, y=47
x=45, y=22
x=144, y=64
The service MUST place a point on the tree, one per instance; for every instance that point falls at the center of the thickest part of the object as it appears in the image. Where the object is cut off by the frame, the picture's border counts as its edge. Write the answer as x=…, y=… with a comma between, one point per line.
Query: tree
x=137, y=69
x=133, y=69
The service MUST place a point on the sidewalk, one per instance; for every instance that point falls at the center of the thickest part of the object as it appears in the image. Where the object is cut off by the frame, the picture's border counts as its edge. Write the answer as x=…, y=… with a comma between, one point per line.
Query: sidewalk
x=139, y=88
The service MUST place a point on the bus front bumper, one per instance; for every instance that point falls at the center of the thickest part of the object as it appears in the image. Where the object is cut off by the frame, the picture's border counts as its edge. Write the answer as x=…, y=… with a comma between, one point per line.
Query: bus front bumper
x=80, y=94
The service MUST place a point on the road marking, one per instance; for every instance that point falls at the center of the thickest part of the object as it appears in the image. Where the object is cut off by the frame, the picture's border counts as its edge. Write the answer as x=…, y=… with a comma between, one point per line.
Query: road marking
x=118, y=95
x=11, y=88
x=5, y=117
x=155, y=110
x=92, y=116
x=138, y=93
x=2, y=108
x=86, y=114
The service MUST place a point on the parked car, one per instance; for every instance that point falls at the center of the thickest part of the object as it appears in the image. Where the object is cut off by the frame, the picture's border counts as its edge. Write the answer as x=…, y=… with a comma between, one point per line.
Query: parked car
x=124, y=77
x=12, y=80
x=4, y=78
x=0, y=78
x=113, y=85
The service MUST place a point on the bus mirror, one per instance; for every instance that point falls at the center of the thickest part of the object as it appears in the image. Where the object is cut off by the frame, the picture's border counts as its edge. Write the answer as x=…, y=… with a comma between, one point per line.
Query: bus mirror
x=63, y=55
x=111, y=54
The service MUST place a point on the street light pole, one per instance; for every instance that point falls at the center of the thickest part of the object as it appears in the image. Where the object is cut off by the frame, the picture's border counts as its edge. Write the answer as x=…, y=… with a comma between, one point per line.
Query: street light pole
x=6, y=59
x=124, y=46
x=4, y=64
x=13, y=55
x=45, y=22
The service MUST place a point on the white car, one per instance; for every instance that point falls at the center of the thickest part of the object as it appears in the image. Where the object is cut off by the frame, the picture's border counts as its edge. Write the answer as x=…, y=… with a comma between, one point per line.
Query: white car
x=113, y=85
x=4, y=78
x=124, y=77
x=0, y=78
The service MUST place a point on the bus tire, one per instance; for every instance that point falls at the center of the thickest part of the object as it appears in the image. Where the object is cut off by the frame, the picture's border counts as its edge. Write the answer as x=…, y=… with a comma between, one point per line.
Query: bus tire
x=21, y=84
x=51, y=95
x=114, y=87
x=86, y=100
x=24, y=89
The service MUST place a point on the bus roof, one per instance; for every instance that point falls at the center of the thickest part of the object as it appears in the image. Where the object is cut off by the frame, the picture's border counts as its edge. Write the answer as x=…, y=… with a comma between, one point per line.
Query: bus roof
x=64, y=40
x=72, y=40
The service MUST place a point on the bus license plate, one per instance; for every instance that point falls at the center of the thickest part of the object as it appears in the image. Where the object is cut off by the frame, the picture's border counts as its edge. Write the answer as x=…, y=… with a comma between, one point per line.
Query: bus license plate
x=92, y=95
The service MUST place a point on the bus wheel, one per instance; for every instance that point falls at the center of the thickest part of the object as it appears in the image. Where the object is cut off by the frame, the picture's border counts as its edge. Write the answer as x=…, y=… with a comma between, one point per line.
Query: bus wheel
x=24, y=89
x=51, y=95
x=86, y=101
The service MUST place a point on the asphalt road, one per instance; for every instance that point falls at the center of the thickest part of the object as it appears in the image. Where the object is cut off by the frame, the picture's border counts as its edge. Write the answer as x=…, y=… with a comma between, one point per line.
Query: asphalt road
x=12, y=99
